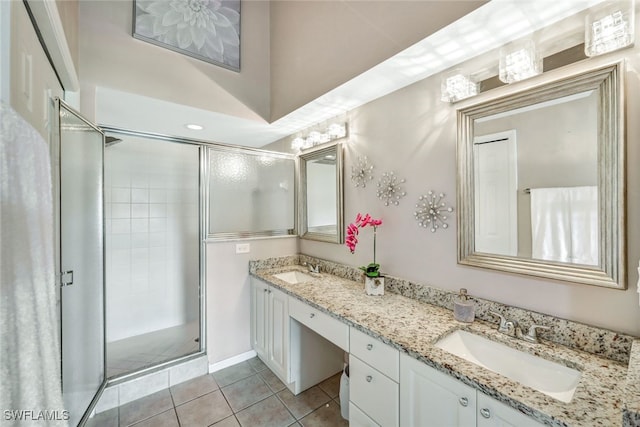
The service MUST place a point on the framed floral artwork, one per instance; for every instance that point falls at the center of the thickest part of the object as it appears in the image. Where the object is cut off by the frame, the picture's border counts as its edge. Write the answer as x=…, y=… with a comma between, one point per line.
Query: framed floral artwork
x=208, y=30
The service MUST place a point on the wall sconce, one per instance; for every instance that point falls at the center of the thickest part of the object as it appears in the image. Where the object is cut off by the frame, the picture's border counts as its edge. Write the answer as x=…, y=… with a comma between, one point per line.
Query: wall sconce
x=456, y=86
x=609, y=28
x=334, y=131
x=519, y=61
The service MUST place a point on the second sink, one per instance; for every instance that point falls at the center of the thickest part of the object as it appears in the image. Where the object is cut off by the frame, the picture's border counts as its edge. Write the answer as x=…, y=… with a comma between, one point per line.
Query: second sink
x=550, y=378
x=293, y=277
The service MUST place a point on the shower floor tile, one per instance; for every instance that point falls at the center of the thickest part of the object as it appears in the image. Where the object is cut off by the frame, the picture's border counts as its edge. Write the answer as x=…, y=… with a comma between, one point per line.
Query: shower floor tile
x=140, y=351
x=251, y=396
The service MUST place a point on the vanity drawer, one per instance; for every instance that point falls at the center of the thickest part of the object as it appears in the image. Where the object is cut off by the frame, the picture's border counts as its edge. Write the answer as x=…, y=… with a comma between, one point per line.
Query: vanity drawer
x=373, y=392
x=381, y=356
x=324, y=325
x=357, y=418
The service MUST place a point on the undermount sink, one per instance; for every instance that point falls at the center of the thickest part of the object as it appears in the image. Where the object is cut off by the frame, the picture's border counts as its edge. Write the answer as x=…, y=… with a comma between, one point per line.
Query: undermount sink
x=294, y=277
x=550, y=378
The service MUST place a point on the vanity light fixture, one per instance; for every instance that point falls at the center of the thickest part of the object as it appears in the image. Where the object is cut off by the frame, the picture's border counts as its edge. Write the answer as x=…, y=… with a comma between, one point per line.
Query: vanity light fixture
x=609, y=28
x=333, y=132
x=361, y=172
x=519, y=61
x=194, y=126
x=432, y=211
x=390, y=189
x=456, y=86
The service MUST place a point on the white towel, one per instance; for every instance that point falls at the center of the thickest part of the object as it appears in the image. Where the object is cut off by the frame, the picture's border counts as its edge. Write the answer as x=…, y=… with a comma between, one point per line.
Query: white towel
x=29, y=349
x=564, y=224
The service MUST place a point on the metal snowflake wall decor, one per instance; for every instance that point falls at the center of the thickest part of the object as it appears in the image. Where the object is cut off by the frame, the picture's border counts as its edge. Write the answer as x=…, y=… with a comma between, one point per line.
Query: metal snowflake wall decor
x=432, y=211
x=390, y=189
x=361, y=172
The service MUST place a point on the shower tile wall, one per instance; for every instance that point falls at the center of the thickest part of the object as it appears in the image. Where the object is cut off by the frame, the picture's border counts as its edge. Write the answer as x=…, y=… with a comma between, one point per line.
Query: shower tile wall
x=152, y=239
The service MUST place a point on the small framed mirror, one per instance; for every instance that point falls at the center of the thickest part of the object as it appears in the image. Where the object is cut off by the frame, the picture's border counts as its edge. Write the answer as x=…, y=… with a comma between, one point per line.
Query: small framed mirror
x=541, y=187
x=320, y=197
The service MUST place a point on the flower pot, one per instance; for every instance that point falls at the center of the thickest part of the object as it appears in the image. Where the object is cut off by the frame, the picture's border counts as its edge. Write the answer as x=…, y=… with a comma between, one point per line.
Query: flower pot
x=374, y=285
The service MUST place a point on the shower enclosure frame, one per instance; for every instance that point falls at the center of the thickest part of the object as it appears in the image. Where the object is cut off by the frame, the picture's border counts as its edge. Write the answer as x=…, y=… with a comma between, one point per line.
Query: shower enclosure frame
x=56, y=155
x=202, y=202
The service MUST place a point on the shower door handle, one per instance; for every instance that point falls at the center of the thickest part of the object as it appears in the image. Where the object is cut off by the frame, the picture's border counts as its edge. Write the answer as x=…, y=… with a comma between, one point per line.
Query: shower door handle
x=66, y=278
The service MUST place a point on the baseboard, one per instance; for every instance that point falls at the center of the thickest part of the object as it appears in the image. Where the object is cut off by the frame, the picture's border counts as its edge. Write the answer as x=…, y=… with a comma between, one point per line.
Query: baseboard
x=213, y=367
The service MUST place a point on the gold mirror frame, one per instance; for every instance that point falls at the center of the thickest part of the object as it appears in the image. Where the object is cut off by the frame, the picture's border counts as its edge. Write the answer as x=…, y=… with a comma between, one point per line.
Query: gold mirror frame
x=608, y=79
x=317, y=153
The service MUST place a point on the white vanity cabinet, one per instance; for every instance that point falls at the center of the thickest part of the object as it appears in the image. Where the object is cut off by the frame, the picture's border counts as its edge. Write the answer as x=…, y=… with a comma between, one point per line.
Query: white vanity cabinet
x=431, y=398
x=270, y=327
x=373, y=382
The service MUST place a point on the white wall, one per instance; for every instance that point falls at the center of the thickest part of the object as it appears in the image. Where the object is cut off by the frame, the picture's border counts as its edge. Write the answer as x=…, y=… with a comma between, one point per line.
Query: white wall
x=110, y=57
x=228, y=293
x=414, y=134
x=5, y=50
x=33, y=80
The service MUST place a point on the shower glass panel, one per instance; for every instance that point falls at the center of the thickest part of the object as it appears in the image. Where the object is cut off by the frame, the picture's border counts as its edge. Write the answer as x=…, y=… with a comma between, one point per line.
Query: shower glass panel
x=250, y=193
x=152, y=190
x=81, y=260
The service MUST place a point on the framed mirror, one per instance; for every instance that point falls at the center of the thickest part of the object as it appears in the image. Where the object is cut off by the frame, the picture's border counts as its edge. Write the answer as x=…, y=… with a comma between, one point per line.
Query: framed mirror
x=320, y=198
x=541, y=179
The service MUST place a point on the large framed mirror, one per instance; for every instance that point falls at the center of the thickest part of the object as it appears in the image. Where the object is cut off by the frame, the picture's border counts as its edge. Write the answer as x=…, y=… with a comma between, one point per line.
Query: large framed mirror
x=321, y=195
x=541, y=178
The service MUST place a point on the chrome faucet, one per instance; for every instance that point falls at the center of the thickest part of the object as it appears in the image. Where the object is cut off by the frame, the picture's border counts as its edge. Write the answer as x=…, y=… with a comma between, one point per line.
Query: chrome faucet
x=505, y=326
x=532, y=334
x=511, y=327
x=311, y=268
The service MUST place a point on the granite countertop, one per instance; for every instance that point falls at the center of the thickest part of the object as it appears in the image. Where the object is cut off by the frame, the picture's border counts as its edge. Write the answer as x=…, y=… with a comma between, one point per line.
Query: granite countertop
x=413, y=327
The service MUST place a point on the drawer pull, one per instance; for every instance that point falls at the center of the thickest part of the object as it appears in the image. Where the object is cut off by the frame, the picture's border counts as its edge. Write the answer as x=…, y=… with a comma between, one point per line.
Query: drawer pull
x=369, y=378
x=312, y=315
x=464, y=401
x=369, y=346
x=485, y=413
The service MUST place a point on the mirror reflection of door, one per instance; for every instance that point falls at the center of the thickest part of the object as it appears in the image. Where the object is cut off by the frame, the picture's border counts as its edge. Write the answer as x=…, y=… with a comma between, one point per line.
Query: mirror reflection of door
x=496, y=212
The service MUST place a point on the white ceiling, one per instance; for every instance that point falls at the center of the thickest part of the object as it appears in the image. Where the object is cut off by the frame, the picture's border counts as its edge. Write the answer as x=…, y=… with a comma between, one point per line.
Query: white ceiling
x=483, y=30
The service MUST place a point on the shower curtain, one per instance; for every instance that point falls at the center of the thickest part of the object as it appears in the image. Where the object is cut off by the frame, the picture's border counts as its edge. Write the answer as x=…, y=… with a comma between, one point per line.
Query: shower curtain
x=29, y=352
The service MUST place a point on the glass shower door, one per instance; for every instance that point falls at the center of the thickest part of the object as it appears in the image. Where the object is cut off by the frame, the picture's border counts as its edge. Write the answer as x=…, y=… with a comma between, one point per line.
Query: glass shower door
x=81, y=153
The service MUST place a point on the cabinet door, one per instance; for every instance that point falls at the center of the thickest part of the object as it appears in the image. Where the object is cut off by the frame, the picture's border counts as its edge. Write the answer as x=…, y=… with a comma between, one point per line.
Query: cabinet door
x=431, y=398
x=492, y=413
x=259, y=323
x=278, y=333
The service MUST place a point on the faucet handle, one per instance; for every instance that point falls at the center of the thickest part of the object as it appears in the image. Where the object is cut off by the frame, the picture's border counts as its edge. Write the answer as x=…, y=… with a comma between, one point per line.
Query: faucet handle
x=505, y=324
x=532, y=334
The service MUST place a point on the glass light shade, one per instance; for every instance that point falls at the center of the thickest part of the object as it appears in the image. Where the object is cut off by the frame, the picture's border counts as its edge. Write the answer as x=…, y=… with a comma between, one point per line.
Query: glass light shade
x=519, y=61
x=297, y=144
x=337, y=130
x=609, y=28
x=456, y=86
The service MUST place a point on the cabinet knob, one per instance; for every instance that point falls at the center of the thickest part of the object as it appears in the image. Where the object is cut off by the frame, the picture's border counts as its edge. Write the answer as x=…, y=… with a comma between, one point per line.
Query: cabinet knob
x=369, y=346
x=463, y=401
x=369, y=378
x=312, y=315
x=265, y=290
x=269, y=290
x=485, y=413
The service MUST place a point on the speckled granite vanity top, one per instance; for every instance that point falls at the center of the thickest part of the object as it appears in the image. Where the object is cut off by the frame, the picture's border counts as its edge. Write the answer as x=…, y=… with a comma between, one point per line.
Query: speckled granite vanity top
x=413, y=327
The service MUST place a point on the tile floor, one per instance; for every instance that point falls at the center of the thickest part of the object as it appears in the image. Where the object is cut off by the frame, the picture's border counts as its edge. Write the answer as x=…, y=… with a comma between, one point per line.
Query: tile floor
x=247, y=394
x=138, y=352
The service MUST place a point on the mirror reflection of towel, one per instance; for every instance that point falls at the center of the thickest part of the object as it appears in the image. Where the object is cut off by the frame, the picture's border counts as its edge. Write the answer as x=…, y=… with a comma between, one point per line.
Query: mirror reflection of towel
x=564, y=224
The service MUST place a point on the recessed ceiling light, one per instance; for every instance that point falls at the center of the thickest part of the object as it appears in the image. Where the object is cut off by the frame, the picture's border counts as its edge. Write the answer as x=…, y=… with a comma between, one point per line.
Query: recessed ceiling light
x=193, y=126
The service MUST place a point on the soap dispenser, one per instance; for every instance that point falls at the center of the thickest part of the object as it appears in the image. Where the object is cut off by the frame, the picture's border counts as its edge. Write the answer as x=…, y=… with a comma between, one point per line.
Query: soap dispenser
x=463, y=309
